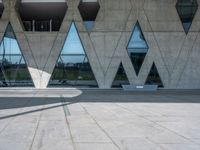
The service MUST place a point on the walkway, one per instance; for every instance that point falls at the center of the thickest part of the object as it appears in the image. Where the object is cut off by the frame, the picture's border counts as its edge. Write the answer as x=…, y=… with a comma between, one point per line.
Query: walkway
x=99, y=120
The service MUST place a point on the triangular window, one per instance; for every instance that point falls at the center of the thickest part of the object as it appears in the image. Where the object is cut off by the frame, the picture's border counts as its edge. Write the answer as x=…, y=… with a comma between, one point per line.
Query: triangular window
x=153, y=77
x=120, y=78
x=14, y=71
x=72, y=67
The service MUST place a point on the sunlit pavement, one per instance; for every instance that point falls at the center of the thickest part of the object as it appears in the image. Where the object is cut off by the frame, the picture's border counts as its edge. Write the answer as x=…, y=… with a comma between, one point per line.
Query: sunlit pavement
x=99, y=120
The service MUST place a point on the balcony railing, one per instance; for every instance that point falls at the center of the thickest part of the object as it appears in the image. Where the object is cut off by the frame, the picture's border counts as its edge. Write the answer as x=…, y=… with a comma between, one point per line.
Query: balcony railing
x=42, y=26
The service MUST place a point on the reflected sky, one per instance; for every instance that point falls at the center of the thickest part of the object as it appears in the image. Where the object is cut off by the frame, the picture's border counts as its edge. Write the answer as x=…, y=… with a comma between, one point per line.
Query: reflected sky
x=9, y=50
x=72, y=51
x=72, y=47
x=73, y=43
x=137, y=43
x=10, y=46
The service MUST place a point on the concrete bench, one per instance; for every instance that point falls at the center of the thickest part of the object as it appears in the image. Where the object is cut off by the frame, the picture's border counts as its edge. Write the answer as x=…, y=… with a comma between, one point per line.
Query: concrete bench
x=140, y=87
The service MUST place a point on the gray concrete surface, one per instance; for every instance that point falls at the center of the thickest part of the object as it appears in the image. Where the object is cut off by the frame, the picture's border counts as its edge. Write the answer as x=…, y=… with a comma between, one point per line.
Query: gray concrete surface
x=99, y=120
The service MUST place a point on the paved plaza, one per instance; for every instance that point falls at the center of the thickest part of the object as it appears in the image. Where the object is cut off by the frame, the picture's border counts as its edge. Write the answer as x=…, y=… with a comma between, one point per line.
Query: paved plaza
x=72, y=119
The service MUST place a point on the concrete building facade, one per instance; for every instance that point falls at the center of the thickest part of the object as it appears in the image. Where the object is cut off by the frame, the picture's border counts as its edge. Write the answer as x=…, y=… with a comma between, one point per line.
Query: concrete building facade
x=175, y=53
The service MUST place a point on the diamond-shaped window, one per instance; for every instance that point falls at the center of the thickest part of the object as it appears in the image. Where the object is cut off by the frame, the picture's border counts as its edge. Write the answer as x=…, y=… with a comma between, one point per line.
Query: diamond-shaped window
x=89, y=10
x=186, y=10
x=73, y=67
x=13, y=68
x=137, y=48
x=42, y=16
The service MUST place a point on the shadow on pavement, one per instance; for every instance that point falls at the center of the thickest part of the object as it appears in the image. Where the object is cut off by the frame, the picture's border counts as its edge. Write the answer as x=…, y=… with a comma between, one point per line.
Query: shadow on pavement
x=105, y=96
x=96, y=96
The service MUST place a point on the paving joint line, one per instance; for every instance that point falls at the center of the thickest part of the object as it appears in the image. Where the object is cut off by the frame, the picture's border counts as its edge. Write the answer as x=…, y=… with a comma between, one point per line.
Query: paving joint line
x=14, y=117
x=113, y=142
x=157, y=144
x=158, y=125
x=65, y=108
x=67, y=123
x=37, y=126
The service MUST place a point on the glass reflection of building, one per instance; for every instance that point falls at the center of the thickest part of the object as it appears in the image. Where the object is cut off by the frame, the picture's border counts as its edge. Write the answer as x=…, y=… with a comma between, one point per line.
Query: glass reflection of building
x=14, y=71
x=137, y=48
x=120, y=78
x=153, y=77
x=72, y=67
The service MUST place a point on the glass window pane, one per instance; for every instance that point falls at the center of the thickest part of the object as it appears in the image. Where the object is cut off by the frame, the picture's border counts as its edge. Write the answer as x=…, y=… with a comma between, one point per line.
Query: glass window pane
x=186, y=10
x=153, y=77
x=137, y=48
x=73, y=68
x=14, y=71
x=120, y=78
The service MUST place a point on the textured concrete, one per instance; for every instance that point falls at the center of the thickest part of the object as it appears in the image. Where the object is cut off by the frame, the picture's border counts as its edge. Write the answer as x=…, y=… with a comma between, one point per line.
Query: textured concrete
x=110, y=120
x=175, y=54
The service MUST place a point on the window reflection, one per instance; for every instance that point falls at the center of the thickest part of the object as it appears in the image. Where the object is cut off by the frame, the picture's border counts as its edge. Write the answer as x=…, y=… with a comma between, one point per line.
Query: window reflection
x=72, y=67
x=120, y=78
x=153, y=77
x=14, y=71
x=137, y=48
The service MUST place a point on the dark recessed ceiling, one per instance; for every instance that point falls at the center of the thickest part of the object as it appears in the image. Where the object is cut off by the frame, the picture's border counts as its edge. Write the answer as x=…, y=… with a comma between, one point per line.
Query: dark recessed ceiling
x=42, y=11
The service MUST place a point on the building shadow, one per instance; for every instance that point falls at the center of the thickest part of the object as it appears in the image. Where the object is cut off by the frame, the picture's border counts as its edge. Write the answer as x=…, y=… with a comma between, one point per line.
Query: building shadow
x=105, y=96
x=96, y=96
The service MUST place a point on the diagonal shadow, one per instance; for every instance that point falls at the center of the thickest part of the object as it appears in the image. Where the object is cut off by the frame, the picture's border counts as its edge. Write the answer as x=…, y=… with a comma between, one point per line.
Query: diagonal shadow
x=36, y=110
x=105, y=96
x=99, y=96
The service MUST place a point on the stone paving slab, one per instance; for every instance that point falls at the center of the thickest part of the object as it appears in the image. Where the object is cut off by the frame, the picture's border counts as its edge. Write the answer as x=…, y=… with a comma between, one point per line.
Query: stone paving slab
x=99, y=120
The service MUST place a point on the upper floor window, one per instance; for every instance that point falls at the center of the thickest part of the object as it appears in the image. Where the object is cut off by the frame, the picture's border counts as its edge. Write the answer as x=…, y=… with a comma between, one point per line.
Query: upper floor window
x=42, y=15
x=89, y=10
x=186, y=10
